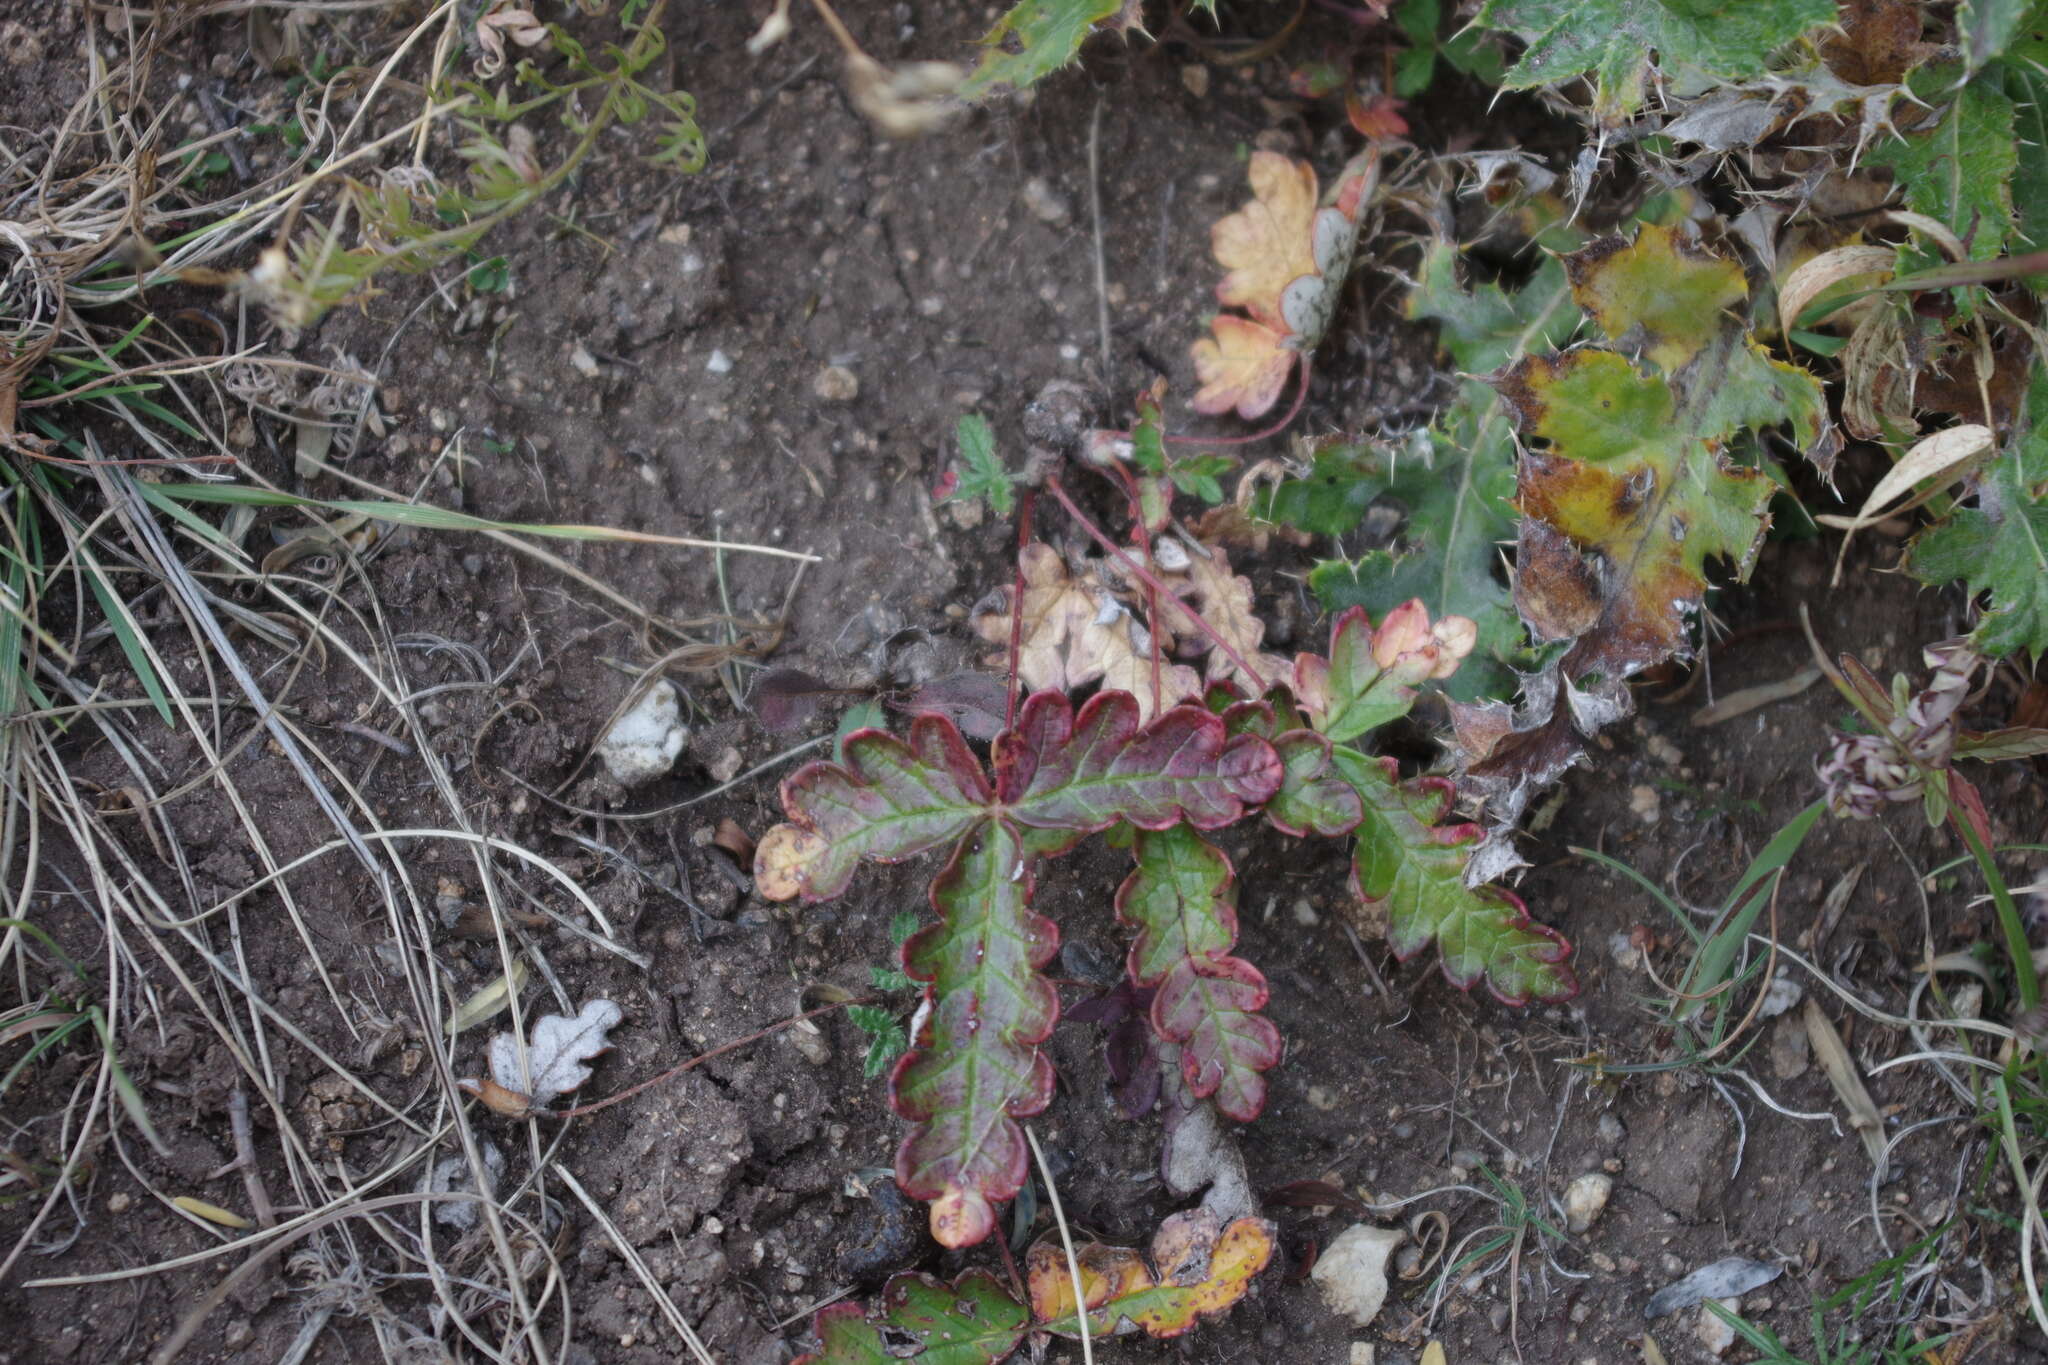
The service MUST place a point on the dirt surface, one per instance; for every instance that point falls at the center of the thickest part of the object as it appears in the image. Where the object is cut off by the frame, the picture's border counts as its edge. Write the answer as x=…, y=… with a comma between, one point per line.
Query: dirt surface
x=658, y=366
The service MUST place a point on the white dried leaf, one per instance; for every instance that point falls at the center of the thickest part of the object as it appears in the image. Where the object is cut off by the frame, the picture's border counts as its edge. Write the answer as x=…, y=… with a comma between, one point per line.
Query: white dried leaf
x=559, y=1054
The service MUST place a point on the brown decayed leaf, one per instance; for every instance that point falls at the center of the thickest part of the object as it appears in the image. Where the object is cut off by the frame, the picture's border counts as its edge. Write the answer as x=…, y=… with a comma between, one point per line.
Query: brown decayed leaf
x=1076, y=631
x=1243, y=367
x=1879, y=42
x=1266, y=245
x=1225, y=602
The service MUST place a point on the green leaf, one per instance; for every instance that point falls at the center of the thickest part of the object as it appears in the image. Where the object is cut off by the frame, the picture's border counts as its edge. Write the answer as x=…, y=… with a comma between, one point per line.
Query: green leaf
x=886, y=1039
x=1352, y=695
x=1999, y=547
x=1958, y=168
x=1730, y=40
x=975, y=1067
x=1033, y=40
x=1312, y=799
x=1457, y=480
x=2026, y=84
x=892, y=799
x=1986, y=28
x=972, y=1321
x=1633, y=471
x=1414, y=867
x=1343, y=480
x=1182, y=899
x=982, y=473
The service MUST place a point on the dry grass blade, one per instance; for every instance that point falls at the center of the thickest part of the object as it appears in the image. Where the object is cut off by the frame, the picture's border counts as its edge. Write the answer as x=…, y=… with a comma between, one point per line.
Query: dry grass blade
x=1840, y=1069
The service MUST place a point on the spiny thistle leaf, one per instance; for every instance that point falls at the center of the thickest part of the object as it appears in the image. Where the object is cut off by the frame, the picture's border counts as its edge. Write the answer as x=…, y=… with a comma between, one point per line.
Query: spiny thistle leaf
x=1413, y=866
x=1634, y=491
x=1033, y=40
x=1199, y=1268
x=1456, y=480
x=974, y=1067
x=1957, y=165
x=1615, y=40
x=1182, y=899
x=972, y=1321
x=2000, y=546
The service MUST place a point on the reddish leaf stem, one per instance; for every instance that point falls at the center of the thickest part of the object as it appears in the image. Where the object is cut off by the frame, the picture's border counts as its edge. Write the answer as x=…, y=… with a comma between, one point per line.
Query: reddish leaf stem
x=1146, y=576
x=1017, y=610
x=580, y=1110
x=1287, y=420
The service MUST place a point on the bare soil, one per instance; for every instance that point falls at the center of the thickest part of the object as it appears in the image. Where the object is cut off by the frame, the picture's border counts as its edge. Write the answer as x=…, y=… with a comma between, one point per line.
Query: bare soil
x=706, y=308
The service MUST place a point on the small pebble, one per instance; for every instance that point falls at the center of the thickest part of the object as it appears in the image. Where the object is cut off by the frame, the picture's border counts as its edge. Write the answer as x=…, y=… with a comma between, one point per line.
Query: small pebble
x=583, y=362
x=1610, y=1131
x=1714, y=1334
x=1585, y=1199
x=1195, y=77
x=836, y=384
x=719, y=363
x=1645, y=804
x=1045, y=203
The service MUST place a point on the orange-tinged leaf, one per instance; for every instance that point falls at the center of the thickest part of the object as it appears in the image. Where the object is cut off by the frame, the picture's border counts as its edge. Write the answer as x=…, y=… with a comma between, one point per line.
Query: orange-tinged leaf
x=1199, y=1268
x=1266, y=245
x=1243, y=367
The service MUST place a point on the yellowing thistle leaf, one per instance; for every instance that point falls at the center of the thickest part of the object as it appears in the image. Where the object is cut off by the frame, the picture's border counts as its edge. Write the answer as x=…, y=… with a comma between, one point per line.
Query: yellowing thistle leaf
x=1633, y=493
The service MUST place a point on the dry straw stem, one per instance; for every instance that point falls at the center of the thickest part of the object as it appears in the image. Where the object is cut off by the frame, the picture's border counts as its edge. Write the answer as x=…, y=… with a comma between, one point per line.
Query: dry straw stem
x=163, y=951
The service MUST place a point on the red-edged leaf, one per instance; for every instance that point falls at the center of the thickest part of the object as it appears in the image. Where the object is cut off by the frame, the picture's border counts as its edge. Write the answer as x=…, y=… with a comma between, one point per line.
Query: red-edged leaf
x=1415, y=866
x=1082, y=773
x=1350, y=694
x=975, y=1066
x=891, y=800
x=1312, y=798
x=972, y=1321
x=1182, y=900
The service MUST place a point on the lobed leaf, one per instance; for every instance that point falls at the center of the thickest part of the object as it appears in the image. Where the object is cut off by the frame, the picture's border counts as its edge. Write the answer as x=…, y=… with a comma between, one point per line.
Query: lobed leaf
x=974, y=1067
x=1182, y=899
x=1312, y=798
x=1083, y=773
x=1415, y=867
x=1033, y=39
x=893, y=798
x=1349, y=693
x=1199, y=1268
x=972, y=1321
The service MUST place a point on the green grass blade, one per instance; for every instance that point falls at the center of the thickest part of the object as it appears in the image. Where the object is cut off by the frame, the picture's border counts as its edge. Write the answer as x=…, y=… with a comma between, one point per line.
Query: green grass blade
x=130, y=640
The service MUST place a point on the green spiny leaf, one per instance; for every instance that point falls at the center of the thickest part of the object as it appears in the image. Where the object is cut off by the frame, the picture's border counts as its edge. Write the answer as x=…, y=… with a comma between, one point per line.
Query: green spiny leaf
x=1614, y=40
x=2000, y=546
x=1047, y=35
x=1958, y=166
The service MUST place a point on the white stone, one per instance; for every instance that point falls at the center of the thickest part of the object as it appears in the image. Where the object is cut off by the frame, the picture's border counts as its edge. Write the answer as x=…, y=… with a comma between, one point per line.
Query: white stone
x=643, y=744
x=1352, y=1271
x=1714, y=1334
x=1585, y=1199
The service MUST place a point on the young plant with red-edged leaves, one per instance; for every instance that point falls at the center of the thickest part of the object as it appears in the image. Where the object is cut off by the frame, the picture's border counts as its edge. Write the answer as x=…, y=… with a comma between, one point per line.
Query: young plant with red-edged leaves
x=1060, y=774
